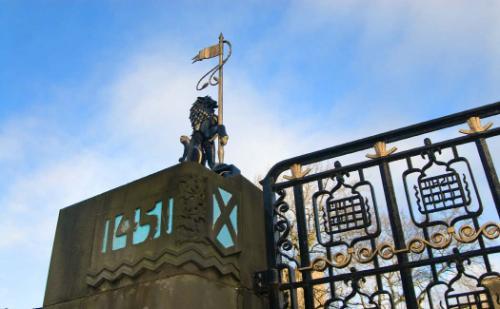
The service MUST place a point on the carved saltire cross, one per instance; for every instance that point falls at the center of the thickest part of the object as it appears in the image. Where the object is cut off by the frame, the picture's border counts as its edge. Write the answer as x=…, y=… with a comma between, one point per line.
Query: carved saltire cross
x=224, y=231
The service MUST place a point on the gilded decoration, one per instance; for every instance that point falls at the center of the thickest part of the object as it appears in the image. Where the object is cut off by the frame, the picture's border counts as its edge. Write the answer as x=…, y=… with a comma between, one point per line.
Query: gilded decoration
x=440, y=240
x=475, y=126
x=297, y=172
x=381, y=151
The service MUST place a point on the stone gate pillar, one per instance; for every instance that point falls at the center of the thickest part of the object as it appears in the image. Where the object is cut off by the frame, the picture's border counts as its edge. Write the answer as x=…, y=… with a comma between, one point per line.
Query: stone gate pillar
x=181, y=238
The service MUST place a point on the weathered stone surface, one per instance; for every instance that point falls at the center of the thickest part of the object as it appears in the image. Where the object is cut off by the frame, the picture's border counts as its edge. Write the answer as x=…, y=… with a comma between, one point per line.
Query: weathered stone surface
x=184, y=236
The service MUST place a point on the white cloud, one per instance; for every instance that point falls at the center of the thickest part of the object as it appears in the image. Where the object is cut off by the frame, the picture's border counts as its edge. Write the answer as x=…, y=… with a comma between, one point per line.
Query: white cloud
x=147, y=112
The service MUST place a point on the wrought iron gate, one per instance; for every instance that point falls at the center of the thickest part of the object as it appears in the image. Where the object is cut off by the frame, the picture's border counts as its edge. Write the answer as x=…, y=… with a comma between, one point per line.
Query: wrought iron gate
x=416, y=227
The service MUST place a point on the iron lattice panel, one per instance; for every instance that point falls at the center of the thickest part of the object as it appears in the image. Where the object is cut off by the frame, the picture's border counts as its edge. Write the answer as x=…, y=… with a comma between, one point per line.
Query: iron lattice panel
x=468, y=300
x=347, y=214
x=441, y=192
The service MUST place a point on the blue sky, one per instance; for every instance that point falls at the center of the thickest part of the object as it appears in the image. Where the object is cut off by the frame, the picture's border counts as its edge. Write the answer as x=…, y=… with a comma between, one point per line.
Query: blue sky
x=94, y=94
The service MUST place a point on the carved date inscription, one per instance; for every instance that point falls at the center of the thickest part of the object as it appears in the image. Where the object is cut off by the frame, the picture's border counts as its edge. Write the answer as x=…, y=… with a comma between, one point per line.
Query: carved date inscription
x=135, y=228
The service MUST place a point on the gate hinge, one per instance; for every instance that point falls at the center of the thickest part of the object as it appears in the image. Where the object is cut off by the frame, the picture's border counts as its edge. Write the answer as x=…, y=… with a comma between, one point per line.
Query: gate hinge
x=265, y=280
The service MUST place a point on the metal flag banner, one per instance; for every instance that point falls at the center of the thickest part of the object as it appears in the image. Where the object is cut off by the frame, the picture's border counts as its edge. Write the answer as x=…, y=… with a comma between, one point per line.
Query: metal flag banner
x=207, y=53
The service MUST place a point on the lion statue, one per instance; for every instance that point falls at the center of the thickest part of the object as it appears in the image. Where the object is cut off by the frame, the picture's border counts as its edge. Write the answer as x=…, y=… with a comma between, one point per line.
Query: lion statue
x=200, y=147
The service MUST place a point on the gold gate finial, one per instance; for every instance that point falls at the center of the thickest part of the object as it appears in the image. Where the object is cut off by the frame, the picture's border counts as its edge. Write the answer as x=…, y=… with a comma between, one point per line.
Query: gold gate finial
x=381, y=151
x=476, y=126
x=297, y=172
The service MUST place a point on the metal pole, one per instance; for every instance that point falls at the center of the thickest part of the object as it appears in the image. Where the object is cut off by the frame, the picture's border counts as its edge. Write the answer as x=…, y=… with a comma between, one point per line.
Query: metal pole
x=220, y=150
x=489, y=170
x=305, y=259
x=398, y=235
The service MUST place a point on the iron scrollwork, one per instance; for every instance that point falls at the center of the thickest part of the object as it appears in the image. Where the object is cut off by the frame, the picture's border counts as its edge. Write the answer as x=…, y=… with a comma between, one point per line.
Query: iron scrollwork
x=283, y=226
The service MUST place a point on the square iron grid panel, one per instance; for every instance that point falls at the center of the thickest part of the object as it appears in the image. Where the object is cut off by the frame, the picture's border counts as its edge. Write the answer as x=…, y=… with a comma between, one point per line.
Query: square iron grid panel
x=472, y=300
x=442, y=192
x=347, y=214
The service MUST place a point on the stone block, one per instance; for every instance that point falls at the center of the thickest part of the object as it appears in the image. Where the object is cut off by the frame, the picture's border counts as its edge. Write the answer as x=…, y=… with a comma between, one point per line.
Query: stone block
x=184, y=237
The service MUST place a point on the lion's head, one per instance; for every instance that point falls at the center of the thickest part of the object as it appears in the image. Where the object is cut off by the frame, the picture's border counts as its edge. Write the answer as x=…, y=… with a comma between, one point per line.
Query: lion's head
x=203, y=108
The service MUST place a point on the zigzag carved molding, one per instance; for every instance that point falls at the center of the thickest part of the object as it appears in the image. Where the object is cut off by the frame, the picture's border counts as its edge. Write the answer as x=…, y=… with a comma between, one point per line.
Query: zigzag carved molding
x=177, y=259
